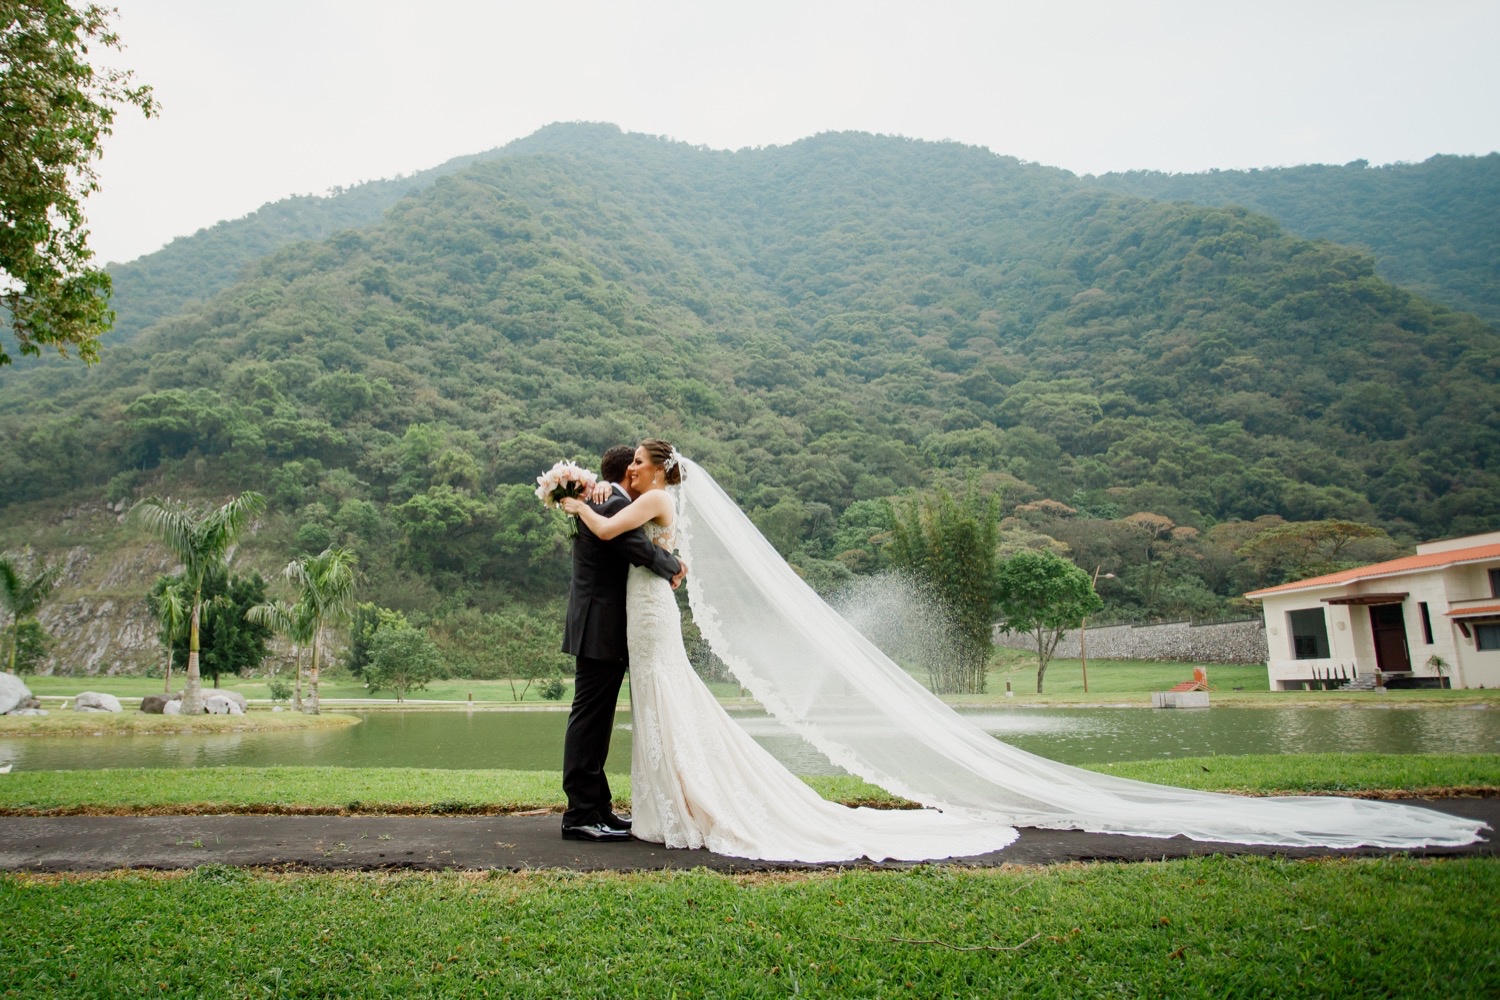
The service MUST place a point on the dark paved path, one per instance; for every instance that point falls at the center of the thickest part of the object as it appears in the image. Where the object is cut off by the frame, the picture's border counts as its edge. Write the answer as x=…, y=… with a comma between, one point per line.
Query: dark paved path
x=103, y=843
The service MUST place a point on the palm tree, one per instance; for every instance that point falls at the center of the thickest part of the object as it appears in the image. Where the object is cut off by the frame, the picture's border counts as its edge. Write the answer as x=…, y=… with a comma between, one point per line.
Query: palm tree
x=292, y=621
x=171, y=608
x=325, y=588
x=21, y=596
x=200, y=539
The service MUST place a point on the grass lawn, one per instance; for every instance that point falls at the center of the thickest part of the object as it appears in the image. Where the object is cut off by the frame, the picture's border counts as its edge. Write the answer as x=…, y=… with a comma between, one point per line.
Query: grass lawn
x=1215, y=926
x=132, y=723
x=422, y=790
x=1131, y=682
x=331, y=687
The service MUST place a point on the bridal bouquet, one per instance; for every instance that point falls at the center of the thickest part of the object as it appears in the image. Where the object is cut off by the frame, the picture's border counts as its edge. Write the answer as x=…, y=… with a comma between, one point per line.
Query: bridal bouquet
x=565, y=479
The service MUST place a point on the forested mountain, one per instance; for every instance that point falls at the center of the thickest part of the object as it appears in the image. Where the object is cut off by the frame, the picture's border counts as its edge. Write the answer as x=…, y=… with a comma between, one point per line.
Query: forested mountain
x=824, y=325
x=1433, y=227
x=192, y=268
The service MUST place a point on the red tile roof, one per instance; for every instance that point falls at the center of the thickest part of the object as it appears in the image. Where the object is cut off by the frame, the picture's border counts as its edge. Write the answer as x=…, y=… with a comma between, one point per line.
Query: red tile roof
x=1482, y=609
x=1395, y=567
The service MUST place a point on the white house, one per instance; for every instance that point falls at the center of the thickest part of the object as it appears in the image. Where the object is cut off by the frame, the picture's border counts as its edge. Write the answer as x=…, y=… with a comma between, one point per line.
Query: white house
x=1391, y=618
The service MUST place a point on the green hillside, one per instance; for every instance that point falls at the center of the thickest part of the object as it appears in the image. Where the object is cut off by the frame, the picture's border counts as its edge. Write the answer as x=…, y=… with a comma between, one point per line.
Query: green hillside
x=1433, y=227
x=825, y=325
x=193, y=268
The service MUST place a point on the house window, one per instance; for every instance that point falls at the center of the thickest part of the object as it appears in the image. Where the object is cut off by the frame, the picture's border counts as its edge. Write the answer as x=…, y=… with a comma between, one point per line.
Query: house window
x=1426, y=623
x=1495, y=583
x=1309, y=634
x=1487, y=636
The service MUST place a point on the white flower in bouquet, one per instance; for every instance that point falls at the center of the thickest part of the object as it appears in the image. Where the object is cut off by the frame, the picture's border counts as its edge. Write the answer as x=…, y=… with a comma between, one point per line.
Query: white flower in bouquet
x=565, y=479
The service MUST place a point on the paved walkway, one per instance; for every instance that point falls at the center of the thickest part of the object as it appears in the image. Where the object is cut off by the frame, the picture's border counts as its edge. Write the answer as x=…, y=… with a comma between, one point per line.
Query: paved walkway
x=435, y=843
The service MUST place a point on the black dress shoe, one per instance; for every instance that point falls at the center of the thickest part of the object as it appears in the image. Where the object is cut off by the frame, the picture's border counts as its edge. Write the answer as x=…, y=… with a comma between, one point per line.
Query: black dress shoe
x=598, y=832
x=623, y=822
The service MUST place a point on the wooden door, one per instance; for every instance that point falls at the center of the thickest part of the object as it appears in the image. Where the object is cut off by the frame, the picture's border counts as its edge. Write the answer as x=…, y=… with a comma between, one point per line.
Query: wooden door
x=1388, y=626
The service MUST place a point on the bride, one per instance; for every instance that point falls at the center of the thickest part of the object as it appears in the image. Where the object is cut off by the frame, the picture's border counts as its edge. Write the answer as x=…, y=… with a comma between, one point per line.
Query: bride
x=698, y=780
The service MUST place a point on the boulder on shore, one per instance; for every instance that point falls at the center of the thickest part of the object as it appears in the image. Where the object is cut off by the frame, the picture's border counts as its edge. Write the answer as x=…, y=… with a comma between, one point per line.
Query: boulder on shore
x=235, y=697
x=154, y=703
x=12, y=692
x=96, y=701
x=217, y=704
x=173, y=707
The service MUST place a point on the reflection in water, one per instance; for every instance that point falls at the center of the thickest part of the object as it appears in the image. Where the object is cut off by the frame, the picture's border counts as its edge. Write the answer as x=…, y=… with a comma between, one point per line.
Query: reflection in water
x=532, y=740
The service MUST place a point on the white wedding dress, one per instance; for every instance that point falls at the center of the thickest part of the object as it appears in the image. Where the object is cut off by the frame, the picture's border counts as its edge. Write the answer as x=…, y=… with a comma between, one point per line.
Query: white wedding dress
x=699, y=780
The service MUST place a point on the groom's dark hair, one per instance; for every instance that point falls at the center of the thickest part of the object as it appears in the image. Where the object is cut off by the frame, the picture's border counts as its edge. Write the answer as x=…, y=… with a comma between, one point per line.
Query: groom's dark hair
x=614, y=463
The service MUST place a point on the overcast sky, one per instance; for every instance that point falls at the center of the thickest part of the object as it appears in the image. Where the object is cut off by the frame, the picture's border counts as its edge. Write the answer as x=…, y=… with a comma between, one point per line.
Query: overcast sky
x=266, y=98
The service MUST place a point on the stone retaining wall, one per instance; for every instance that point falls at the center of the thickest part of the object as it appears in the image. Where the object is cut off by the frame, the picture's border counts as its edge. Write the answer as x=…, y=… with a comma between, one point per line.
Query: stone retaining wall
x=1241, y=641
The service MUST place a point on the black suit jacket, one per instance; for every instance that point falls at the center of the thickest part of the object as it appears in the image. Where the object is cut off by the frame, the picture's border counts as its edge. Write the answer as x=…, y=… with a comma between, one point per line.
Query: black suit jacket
x=596, y=597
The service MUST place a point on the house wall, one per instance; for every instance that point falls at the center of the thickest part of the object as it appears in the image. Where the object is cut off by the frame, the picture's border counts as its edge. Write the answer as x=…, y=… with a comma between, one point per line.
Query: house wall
x=1470, y=583
x=1282, y=665
x=1472, y=667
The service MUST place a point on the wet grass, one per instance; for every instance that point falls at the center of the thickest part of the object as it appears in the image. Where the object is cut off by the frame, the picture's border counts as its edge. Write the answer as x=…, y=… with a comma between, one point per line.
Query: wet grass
x=1214, y=926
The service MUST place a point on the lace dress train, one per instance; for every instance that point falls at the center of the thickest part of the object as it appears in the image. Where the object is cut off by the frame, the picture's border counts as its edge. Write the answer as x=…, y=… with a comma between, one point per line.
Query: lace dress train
x=699, y=780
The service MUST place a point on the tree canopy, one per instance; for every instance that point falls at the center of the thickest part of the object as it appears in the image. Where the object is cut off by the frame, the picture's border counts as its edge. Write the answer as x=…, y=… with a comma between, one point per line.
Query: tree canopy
x=55, y=109
x=1043, y=595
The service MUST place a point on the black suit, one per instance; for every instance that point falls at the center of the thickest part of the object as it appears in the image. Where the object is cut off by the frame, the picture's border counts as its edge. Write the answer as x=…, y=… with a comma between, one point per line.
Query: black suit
x=595, y=634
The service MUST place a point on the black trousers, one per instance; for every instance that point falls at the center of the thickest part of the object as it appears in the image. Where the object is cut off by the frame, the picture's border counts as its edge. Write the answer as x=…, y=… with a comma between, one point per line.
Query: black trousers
x=596, y=690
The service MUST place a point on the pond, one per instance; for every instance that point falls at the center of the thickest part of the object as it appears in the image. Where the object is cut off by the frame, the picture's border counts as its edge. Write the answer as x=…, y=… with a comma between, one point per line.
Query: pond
x=532, y=740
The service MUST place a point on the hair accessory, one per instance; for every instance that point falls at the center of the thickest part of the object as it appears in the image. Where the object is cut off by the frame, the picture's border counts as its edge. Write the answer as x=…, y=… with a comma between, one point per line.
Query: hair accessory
x=672, y=460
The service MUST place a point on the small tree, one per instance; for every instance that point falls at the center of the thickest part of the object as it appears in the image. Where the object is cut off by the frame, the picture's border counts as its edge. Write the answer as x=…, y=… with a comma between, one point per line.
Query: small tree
x=169, y=603
x=402, y=659
x=325, y=592
x=29, y=647
x=1043, y=594
x=523, y=647
x=292, y=621
x=363, y=624
x=233, y=643
x=21, y=594
x=230, y=641
x=949, y=548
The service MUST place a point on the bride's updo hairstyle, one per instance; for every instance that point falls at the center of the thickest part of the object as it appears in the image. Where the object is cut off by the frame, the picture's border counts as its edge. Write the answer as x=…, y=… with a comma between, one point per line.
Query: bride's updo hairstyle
x=663, y=455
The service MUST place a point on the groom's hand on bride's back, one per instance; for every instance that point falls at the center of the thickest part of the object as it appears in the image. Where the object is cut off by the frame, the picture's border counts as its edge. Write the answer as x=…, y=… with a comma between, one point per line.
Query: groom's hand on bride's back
x=681, y=574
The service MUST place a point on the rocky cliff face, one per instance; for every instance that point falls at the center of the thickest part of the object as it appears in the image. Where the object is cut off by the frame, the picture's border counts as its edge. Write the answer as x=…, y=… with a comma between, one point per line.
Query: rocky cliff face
x=97, y=618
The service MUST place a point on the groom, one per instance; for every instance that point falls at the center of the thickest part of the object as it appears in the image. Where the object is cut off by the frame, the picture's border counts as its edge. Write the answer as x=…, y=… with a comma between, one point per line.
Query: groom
x=596, y=636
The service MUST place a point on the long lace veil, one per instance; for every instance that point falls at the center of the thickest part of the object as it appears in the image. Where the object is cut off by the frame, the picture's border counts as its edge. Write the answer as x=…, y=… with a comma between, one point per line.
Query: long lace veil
x=822, y=679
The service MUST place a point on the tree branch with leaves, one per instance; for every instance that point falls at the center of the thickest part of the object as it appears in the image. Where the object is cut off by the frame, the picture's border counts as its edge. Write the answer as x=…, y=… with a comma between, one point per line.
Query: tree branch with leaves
x=55, y=108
